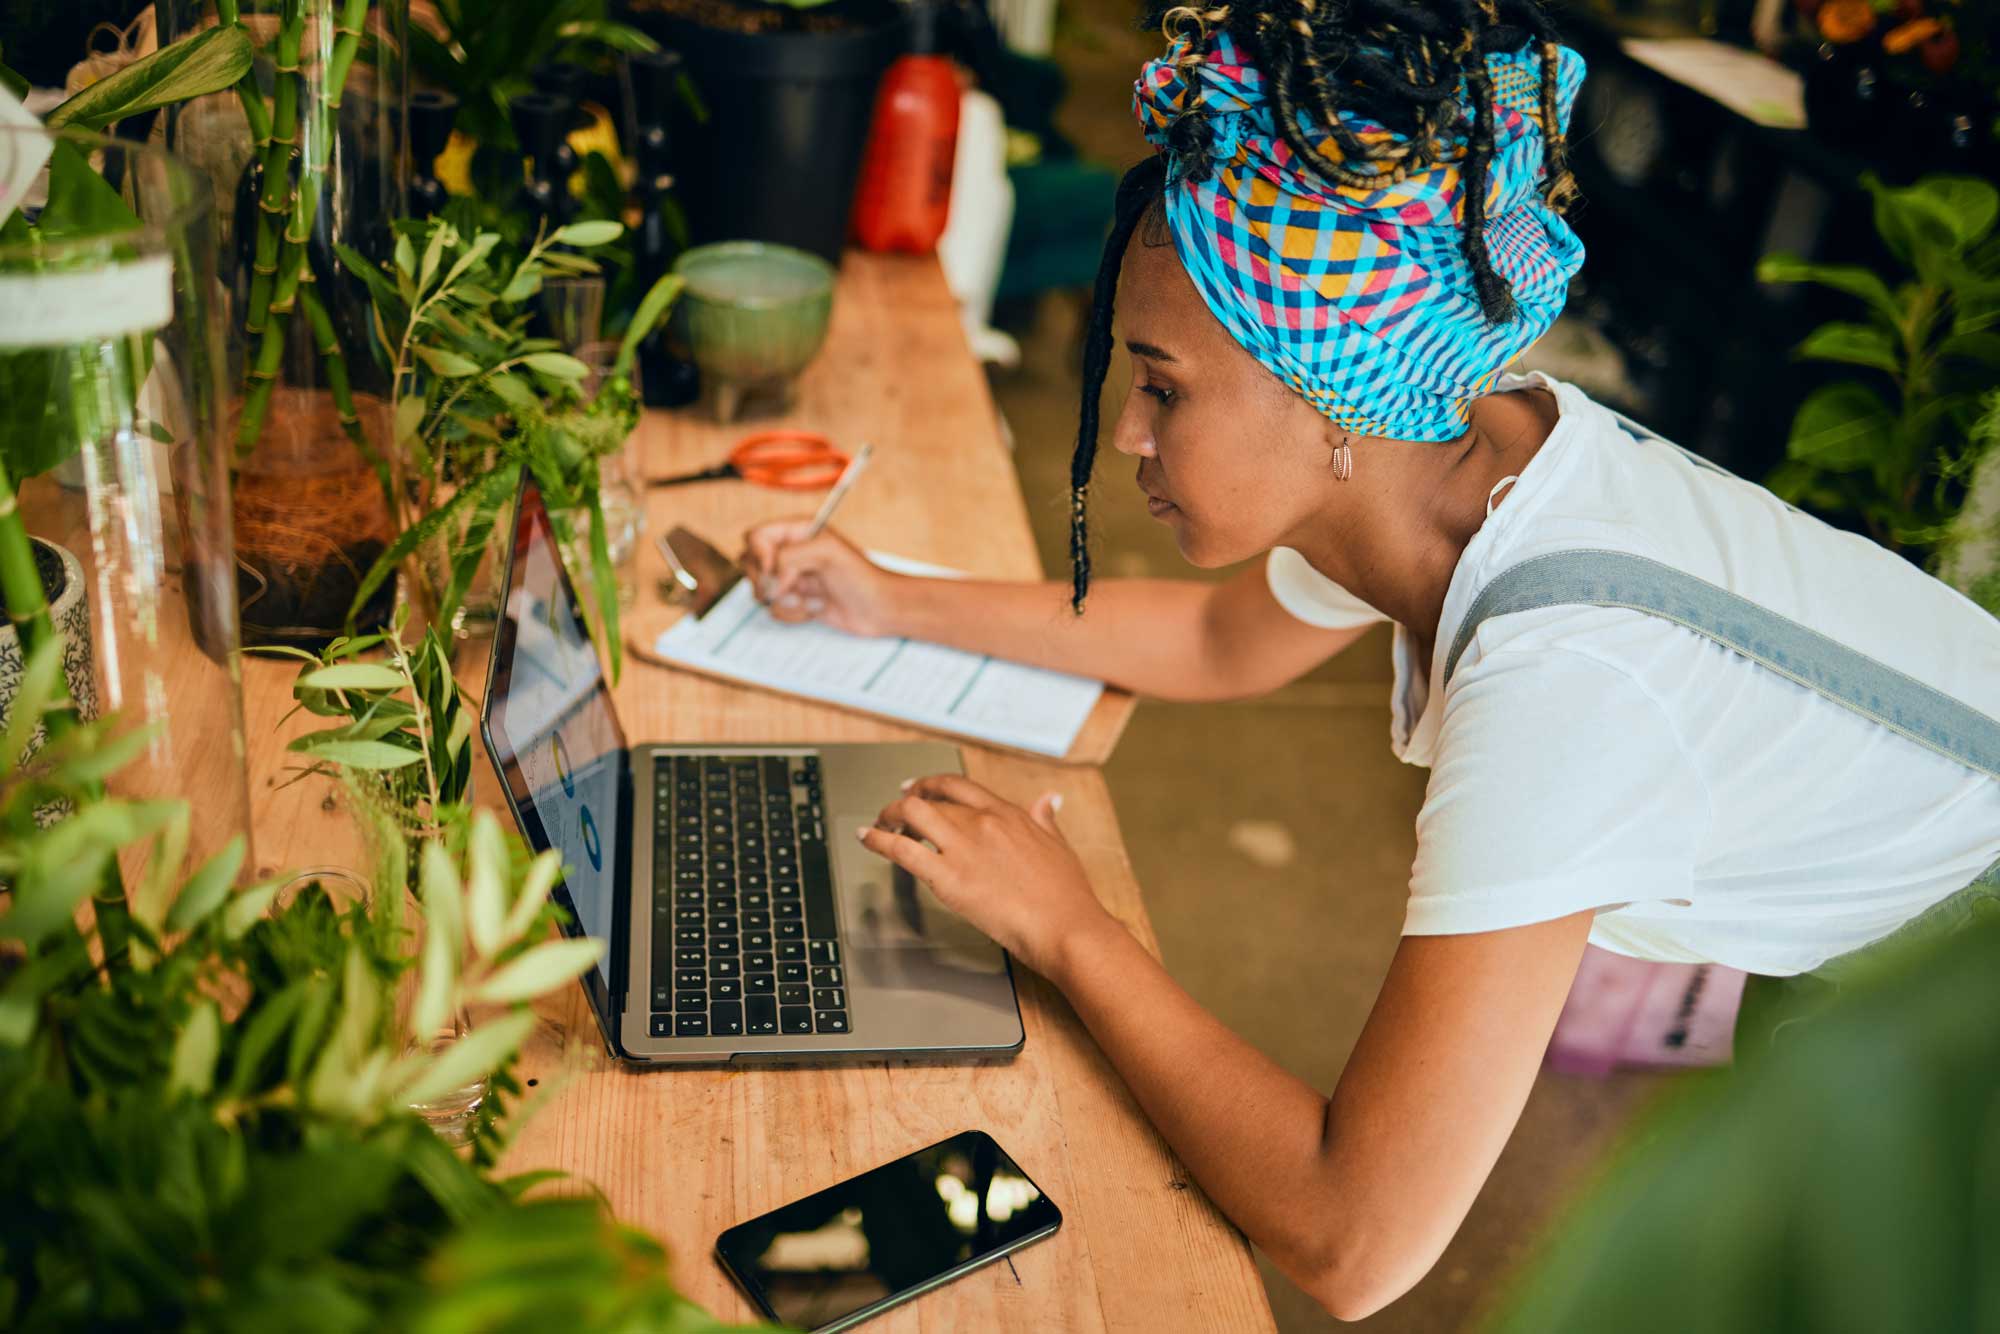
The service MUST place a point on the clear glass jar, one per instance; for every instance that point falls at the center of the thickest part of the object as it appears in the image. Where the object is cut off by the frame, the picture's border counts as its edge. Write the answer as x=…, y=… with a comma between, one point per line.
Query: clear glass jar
x=308, y=154
x=111, y=375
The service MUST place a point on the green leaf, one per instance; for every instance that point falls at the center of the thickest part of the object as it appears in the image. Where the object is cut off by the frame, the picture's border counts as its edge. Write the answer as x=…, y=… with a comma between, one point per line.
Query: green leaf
x=482, y=245
x=193, y=1067
x=558, y=364
x=1849, y=278
x=653, y=308
x=433, y=251
x=536, y=884
x=475, y=1056
x=450, y=365
x=1979, y=346
x=527, y=281
x=541, y=970
x=372, y=755
x=206, y=63
x=207, y=887
x=406, y=257
x=248, y=908
x=81, y=203
x=486, y=884
x=1841, y=427
x=585, y=234
x=409, y=417
x=513, y=391
x=354, y=676
x=1856, y=344
x=267, y=1022
x=616, y=36
x=32, y=698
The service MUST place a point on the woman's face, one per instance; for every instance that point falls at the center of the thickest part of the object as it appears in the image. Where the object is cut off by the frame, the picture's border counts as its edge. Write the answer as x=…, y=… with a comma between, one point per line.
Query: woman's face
x=1229, y=457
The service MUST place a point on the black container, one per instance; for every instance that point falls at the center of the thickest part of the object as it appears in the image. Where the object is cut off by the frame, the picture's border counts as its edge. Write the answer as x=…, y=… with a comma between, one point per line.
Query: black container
x=667, y=378
x=542, y=123
x=788, y=116
x=431, y=117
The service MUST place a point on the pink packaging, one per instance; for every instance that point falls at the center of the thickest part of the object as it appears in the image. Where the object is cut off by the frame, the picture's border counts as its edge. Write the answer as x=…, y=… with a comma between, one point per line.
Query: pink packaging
x=1625, y=1011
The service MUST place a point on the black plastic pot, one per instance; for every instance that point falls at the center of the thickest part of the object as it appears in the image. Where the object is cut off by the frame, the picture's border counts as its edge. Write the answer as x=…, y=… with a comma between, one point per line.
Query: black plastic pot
x=788, y=114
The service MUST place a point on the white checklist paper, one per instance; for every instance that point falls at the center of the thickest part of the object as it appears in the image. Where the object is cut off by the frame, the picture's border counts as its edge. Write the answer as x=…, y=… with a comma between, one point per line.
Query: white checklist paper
x=928, y=685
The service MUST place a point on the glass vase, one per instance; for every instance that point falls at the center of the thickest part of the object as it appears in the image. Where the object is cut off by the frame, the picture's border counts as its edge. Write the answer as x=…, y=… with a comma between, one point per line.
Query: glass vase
x=111, y=373
x=308, y=158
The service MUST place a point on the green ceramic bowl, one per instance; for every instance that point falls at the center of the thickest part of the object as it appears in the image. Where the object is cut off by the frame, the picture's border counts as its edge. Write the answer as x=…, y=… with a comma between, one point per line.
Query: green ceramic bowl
x=754, y=314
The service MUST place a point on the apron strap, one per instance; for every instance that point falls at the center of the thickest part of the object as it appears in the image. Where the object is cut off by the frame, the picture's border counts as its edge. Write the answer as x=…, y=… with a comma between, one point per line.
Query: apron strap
x=1600, y=578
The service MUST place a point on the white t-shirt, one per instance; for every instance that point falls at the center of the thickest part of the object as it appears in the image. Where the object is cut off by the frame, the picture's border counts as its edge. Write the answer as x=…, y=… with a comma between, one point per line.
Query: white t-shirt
x=1596, y=757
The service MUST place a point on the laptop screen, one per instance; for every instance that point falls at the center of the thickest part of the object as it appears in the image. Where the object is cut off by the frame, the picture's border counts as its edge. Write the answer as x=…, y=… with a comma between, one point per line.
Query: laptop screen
x=553, y=733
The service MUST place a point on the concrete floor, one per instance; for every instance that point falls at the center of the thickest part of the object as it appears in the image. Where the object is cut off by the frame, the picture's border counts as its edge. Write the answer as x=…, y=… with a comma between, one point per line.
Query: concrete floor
x=1274, y=838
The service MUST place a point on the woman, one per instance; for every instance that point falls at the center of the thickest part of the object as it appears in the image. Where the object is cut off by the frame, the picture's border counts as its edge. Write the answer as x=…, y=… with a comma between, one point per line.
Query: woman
x=1662, y=736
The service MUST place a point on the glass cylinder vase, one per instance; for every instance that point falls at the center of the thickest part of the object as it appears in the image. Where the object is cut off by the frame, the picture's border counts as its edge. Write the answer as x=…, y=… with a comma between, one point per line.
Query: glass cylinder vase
x=308, y=158
x=111, y=372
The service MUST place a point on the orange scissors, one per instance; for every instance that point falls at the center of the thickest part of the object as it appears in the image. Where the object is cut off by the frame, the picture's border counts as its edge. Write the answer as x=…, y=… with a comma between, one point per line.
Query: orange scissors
x=787, y=460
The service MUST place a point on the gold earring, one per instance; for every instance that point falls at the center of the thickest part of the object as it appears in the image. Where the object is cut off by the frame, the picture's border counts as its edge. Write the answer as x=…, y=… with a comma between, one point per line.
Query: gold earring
x=1343, y=459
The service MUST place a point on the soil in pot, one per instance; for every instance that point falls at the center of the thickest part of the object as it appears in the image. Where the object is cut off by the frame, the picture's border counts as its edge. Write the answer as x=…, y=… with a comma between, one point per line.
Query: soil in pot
x=310, y=520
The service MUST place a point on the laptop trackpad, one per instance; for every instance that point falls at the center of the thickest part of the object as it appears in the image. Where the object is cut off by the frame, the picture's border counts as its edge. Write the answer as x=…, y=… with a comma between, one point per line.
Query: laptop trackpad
x=882, y=906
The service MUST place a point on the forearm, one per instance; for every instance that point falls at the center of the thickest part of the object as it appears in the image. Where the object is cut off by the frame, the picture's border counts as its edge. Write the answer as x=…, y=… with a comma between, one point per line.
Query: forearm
x=1251, y=1133
x=1149, y=636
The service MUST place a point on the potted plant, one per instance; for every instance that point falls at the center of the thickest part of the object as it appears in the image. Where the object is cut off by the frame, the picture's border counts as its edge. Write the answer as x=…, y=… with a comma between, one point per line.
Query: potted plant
x=476, y=399
x=787, y=89
x=1892, y=448
x=204, y=1124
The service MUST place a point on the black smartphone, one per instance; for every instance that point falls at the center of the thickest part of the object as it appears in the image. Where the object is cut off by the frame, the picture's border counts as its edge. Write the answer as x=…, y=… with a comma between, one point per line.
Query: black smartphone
x=835, y=1258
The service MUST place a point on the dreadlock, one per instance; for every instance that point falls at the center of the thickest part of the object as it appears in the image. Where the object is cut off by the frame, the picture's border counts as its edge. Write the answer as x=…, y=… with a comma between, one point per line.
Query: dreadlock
x=1398, y=63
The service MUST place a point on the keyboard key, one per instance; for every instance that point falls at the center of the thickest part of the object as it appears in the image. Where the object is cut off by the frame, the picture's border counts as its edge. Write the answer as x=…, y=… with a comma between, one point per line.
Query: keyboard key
x=723, y=967
x=663, y=1025
x=723, y=945
x=725, y=1019
x=663, y=997
x=754, y=899
x=794, y=995
x=690, y=1025
x=756, y=921
x=791, y=931
x=824, y=976
x=689, y=935
x=688, y=896
x=820, y=921
x=689, y=958
x=690, y=1000
x=761, y=1014
x=831, y=998
x=830, y=1021
x=759, y=984
x=690, y=979
x=759, y=962
x=790, y=951
x=725, y=988
x=787, y=910
x=757, y=940
x=722, y=904
x=722, y=926
x=689, y=916
x=755, y=879
x=792, y=972
x=785, y=889
x=795, y=1019
x=825, y=951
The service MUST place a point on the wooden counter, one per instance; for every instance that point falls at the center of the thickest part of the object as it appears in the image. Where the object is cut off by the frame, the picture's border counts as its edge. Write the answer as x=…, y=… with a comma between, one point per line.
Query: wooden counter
x=686, y=1154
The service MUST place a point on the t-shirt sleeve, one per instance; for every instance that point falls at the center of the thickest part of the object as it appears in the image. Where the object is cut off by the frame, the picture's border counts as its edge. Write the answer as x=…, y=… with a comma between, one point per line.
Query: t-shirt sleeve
x=1311, y=596
x=1559, y=784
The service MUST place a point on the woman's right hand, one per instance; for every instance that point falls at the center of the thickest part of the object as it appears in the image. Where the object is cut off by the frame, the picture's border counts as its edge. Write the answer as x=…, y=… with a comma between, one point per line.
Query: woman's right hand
x=825, y=579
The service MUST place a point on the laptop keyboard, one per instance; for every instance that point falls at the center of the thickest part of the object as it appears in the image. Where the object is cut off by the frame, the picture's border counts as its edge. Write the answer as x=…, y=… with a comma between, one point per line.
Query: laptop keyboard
x=745, y=937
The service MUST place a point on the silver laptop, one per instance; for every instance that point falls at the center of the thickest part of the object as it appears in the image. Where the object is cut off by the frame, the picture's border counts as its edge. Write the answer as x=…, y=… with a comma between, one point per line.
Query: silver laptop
x=743, y=921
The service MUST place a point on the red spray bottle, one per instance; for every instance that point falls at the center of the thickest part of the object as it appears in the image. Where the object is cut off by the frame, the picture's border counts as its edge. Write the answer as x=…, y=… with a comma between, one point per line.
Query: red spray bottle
x=905, y=189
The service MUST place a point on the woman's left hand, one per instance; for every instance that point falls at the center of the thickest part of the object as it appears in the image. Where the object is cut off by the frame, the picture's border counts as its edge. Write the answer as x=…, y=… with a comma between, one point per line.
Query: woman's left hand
x=1006, y=870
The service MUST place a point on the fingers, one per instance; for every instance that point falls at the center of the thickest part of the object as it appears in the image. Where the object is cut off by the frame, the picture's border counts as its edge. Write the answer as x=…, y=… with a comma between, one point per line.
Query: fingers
x=1043, y=811
x=805, y=599
x=904, y=851
x=956, y=789
x=762, y=542
x=927, y=820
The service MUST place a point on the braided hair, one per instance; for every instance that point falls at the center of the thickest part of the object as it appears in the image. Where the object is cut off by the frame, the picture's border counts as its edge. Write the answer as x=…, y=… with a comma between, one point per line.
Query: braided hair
x=1398, y=63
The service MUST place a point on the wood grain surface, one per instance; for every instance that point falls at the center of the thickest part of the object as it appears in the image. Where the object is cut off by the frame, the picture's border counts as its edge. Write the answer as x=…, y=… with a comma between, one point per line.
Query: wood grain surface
x=685, y=1154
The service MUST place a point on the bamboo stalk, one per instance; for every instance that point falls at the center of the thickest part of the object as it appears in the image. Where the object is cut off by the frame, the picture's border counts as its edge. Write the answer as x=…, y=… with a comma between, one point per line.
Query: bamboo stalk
x=273, y=200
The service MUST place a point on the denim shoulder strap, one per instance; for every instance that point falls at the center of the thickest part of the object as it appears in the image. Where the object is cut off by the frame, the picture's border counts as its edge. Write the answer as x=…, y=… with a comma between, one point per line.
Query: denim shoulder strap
x=1870, y=688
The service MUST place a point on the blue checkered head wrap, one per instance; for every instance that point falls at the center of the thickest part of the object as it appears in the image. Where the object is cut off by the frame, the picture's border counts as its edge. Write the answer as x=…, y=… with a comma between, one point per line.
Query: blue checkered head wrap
x=1353, y=286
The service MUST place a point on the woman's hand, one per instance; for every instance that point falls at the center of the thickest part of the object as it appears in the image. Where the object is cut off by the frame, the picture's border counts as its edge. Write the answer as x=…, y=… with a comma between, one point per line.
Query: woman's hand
x=1006, y=870
x=826, y=579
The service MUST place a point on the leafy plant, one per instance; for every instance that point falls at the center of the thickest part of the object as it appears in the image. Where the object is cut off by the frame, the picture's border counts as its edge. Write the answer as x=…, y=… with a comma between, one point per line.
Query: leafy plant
x=402, y=751
x=1969, y=553
x=476, y=399
x=1897, y=462
x=203, y=1124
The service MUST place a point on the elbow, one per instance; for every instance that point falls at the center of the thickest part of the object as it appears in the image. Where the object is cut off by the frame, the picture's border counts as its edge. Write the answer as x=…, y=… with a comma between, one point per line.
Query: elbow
x=1358, y=1283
